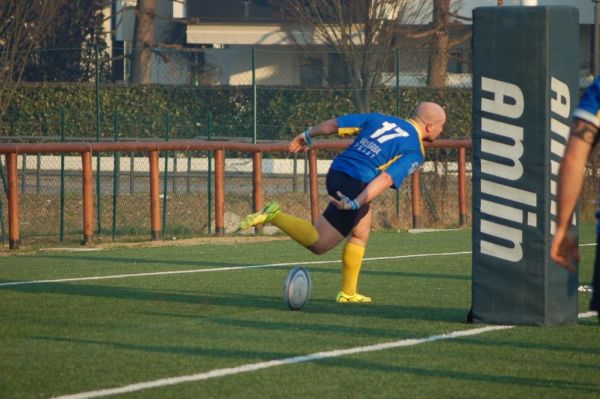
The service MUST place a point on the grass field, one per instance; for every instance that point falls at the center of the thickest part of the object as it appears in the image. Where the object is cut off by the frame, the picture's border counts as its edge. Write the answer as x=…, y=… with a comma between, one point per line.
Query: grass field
x=207, y=321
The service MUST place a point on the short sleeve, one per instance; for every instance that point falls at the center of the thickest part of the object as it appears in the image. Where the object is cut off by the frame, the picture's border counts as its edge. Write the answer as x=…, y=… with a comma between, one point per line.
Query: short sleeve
x=589, y=105
x=404, y=166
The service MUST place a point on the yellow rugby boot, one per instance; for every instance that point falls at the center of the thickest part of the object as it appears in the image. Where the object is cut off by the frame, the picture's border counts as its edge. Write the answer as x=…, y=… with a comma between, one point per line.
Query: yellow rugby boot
x=263, y=216
x=356, y=298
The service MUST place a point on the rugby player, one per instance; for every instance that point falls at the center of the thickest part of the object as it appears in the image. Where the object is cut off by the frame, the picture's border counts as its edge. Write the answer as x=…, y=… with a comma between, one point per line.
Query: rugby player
x=386, y=149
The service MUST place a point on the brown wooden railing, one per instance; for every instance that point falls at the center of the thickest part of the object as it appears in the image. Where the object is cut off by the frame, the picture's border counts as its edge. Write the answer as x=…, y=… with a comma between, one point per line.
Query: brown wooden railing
x=86, y=150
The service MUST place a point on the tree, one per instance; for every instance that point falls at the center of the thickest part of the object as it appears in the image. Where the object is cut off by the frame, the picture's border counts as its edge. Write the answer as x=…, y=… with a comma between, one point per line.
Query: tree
x=22, y=26
x=444, y=19
x=143, y=41
x=362, y=32
x=67, y=51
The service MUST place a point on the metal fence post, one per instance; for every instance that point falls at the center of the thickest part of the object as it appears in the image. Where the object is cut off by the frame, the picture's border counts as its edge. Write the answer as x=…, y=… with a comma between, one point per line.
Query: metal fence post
x=209, y=174
x=257, y=186
x=188, y=175
x=116, y=173
x=314, y=185
x=305, y=174
x=154, y=196
x=219, y=192
x=38, y=165
x=88, y=217
x=462, y=186
x=14, y=239
x=165, y=178
x=254, y=94
x=295, y=173
x=4, y=186
x=131, y=173
x=98, y=172
x=23, y=173
x=416, y=199
x=62, y=177
x=2, y=230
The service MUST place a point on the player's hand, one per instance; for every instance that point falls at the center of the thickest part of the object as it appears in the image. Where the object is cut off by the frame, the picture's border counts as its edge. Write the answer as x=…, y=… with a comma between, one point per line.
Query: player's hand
x=564, y=250
x=344, y=203
x=298, y=144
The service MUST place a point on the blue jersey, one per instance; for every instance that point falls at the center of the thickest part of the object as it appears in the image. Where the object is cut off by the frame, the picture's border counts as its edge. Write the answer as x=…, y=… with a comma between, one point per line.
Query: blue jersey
x=383, y=143
x=589, y=104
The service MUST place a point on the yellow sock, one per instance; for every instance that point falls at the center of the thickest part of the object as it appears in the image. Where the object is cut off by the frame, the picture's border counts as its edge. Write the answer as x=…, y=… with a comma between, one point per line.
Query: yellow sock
x=301, y=231
x=352, y=257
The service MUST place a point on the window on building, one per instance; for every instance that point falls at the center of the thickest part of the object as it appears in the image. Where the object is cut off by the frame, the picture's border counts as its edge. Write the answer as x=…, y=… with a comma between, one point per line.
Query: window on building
x=311, y=71
x=337, y=74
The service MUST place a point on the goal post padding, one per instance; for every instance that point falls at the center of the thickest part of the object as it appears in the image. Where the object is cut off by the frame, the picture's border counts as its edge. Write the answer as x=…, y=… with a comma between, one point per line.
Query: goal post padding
x=525, y=87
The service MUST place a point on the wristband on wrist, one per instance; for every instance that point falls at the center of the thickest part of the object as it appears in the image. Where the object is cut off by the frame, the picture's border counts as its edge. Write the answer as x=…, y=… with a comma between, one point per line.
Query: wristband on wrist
x=307, y=138
x=354, y=204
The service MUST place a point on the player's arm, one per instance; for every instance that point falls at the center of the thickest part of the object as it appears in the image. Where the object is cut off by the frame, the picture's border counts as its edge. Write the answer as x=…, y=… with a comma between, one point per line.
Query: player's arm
x=583, y=137
x=390, y=177
x=304, y=140
x=369, y=193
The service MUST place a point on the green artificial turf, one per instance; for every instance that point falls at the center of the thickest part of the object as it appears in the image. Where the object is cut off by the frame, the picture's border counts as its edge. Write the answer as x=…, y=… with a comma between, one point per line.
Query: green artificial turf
x=59, y=338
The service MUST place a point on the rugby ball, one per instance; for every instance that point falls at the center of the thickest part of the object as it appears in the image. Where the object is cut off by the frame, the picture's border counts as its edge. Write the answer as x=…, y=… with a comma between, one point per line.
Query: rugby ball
x=296, y=288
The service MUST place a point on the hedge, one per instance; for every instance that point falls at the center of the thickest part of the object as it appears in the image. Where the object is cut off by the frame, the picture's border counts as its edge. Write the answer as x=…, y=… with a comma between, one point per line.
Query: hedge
x=142, y=111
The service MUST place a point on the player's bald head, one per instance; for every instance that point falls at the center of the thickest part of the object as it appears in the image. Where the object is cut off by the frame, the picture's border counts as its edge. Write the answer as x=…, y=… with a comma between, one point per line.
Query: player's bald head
x=431, y=117
x=429, y=112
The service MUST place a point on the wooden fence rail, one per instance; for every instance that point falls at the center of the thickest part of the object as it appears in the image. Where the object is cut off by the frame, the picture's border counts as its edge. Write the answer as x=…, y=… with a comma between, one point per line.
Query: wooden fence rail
x=218, y=148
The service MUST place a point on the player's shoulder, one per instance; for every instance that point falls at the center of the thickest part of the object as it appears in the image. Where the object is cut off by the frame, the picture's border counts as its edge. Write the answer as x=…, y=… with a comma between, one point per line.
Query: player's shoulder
x=589, y=104
x=593, y=89
x=371, y=118
x=381, y=118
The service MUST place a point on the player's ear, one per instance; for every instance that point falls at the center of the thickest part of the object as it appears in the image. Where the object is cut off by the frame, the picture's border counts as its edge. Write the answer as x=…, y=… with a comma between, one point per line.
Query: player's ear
x=428, y=127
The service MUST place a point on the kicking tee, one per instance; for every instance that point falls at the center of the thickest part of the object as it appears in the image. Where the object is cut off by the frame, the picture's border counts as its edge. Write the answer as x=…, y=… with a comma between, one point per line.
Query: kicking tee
x=383, y=143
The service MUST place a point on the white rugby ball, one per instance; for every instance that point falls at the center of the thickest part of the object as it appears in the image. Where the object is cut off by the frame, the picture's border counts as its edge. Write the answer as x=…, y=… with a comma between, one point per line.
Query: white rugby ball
x=296, y=288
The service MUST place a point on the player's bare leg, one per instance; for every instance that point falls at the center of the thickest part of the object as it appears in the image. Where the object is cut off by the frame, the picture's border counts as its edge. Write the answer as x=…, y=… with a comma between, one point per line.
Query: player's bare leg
x=329, y=237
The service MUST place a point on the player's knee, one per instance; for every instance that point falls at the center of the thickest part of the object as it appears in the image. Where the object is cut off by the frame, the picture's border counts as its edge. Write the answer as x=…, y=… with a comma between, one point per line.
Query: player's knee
x=317, y=250
x=361, y=237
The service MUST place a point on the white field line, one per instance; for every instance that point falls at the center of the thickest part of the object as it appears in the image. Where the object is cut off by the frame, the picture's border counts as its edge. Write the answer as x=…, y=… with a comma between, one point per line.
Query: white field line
x=219, y=269
x=278, y=362
x=246, y=368
x=224, y=269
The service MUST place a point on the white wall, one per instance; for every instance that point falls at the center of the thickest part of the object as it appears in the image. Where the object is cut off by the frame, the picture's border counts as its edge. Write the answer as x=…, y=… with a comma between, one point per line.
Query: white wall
x=234, y=66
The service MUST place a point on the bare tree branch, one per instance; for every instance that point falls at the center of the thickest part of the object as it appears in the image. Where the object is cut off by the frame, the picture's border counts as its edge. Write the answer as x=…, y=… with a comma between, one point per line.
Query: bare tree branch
x=458, y=16
x=460, y=39
x=361, y=32
x=22, y=25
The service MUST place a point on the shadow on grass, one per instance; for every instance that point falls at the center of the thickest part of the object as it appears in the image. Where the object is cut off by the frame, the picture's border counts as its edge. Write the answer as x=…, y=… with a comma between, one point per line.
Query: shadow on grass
x=301, y=326
x=184, y=350
x=401, y=273
x=471, y=377
x=195, y=263
x=210, y=301
x=141, y=261
x=531, y=346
